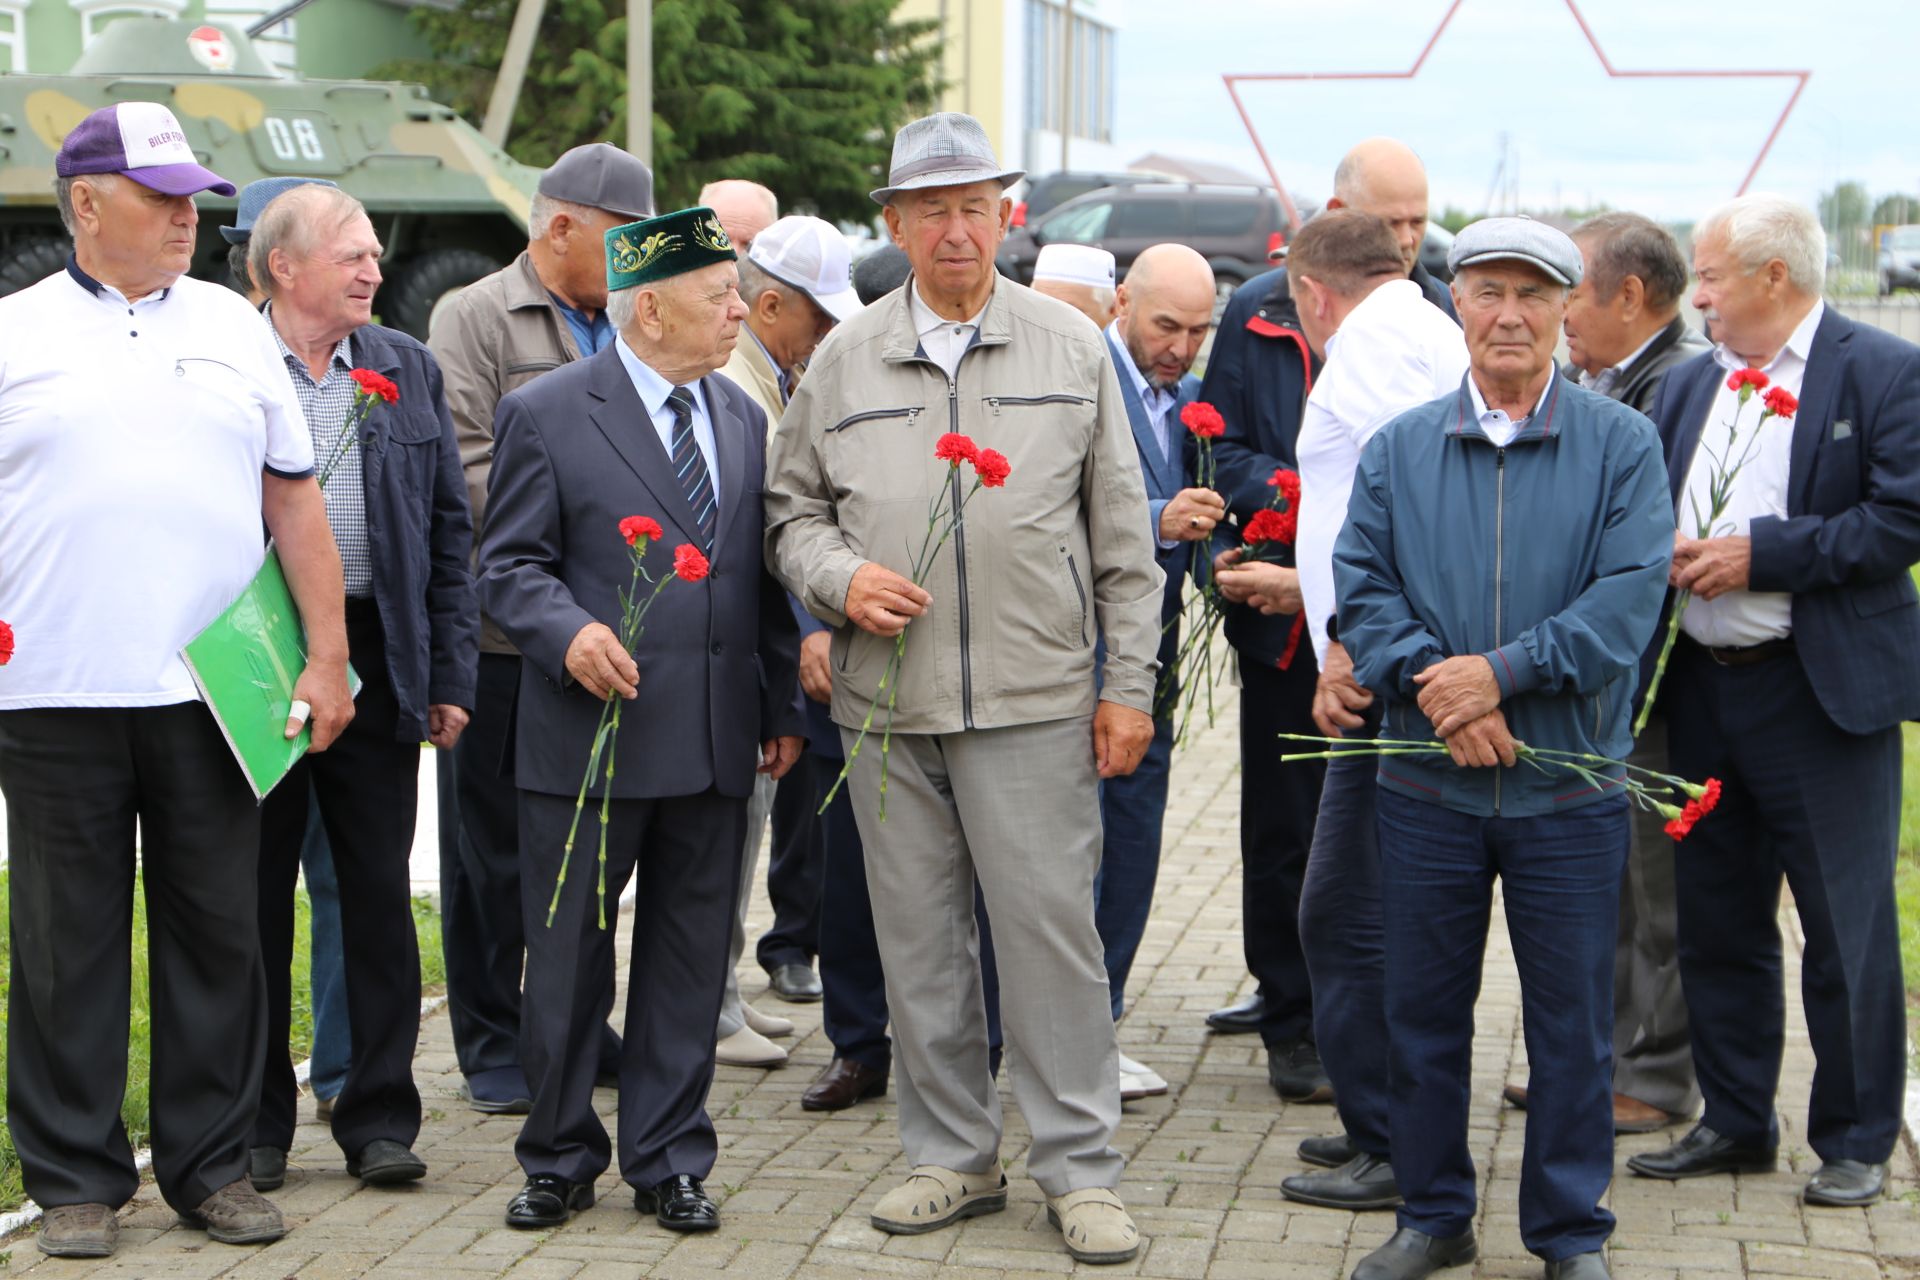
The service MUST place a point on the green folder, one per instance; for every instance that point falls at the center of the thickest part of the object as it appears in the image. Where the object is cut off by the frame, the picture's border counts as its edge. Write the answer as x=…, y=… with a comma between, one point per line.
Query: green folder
x=245, y=663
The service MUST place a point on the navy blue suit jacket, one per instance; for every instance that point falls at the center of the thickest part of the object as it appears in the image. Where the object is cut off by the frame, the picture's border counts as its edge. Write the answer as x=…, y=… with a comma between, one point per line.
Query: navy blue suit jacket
x=574, y=452
x=1852, y=527
x=1165, y=476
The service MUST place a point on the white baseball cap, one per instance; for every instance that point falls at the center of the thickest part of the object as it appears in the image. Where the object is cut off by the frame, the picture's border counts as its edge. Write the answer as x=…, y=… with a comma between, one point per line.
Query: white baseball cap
x=1074, y=264
x=809, y=254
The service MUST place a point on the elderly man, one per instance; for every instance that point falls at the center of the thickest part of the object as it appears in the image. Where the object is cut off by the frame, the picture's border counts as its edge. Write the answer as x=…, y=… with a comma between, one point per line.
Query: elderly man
x=1789, y=683
x=1258, y=376
x=105, y=573
x=1386, y=351
x=797, y=283
x=998, y=740
x=745, y=209
x=546, y=308
x=254, y=198
x=1164, y=313
x=1625, y=331
x=1080, y=276
x=1525, y=623
x=640, y=429
x=399, y=514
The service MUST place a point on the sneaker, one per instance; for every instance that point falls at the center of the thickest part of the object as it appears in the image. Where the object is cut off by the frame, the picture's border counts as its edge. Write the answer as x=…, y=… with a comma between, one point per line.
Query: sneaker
x=79, y=1231
x=1137, y=1080
x=1294, y=1071
x=748, y=1048
x=237, y=1214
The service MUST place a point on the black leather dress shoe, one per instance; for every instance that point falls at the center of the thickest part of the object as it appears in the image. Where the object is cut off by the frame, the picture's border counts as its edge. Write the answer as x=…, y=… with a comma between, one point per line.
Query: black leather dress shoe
x=1703, y=1152
x=795, y=983
x=1362, y=1183
x=548, y=1200
x=1328, y=1153
x=1581, y=1266
x=1239, y=1019
x=266, y=1168
x=678, y=1203
x=1410, y=1255
x=1294, y=1071
x=384, y=1162
x=841, y=1085
x=1846, y=1184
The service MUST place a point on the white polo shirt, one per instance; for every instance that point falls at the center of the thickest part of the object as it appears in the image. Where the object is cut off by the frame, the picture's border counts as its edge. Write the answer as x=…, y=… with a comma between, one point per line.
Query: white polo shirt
x=132, y=441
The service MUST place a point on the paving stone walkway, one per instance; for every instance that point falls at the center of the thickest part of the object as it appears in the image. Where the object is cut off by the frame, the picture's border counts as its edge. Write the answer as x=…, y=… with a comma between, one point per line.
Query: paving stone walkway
x=1202, y=1179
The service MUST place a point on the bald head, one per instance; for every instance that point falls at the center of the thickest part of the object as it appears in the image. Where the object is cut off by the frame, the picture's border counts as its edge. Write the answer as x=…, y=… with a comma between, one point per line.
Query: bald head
x=1383, y=177
x=1165, y=308
x=745, y=209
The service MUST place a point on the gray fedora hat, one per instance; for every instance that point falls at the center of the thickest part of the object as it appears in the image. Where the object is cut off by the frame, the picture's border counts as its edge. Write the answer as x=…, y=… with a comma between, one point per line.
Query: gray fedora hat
x=945, y=149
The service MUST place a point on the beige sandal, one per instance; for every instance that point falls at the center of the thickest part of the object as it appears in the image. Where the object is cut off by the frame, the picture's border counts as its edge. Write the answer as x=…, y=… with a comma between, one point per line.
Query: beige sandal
x=1095, y=1225
x=933, y=1197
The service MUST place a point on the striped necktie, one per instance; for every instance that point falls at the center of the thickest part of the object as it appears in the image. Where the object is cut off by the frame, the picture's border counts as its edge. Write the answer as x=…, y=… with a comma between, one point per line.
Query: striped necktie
x=690, y=466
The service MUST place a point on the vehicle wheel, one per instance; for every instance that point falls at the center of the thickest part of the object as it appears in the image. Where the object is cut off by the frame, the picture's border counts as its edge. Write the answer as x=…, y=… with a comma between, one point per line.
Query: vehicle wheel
x=31, y=260
x=428, y=282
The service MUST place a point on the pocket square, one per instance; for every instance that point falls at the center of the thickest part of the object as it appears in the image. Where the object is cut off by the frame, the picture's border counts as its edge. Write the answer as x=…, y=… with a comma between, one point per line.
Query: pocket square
x=1842, y=429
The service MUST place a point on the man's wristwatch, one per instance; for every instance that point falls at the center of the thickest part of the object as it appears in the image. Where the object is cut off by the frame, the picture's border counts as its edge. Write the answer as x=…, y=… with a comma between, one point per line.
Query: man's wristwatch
x=1333, y=628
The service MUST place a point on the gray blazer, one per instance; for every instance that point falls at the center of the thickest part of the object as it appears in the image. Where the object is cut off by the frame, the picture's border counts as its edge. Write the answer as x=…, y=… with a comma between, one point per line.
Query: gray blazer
x=719, y=661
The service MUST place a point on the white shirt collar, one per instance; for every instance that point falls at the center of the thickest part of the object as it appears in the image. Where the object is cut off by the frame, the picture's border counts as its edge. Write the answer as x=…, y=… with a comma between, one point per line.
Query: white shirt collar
x=1482, y=413
x=652, y=388
x=926, y=319
x=1799, y=343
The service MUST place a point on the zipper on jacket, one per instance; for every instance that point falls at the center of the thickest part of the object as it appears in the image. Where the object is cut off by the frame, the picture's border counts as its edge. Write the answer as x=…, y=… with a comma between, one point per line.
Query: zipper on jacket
x=1499, y=559
x=960, y=554
x=1058, y=398
x=910, y=413
x=1080, y=591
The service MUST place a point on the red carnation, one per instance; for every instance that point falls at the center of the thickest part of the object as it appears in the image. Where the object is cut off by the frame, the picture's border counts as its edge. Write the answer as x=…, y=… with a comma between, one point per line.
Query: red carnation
x=634, y=528
x=1288, y=482
x=1741, y=378
x=1780, y=402
x=6, y=644
x=955, y=448
x=688, y=564
x=374, y=384
x=1203, y=420
x=1710, y=797
x=992, y=467
x=1267, y=525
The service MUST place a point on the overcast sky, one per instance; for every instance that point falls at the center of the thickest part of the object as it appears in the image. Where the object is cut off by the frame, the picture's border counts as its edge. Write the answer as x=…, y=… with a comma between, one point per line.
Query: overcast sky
x=1668, y=148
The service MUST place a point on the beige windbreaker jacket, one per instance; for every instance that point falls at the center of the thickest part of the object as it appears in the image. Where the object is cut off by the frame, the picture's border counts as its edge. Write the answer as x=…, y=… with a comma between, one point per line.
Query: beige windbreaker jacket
x=1039, y=570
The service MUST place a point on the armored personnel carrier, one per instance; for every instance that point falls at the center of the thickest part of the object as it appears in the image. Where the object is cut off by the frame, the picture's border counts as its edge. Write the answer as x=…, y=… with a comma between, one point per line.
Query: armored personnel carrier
x=449, y=206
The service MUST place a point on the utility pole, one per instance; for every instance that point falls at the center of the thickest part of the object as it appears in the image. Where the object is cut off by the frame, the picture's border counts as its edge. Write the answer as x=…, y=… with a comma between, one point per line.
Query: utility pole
x=513, y=71
x=1066, y=83
x=640, y=80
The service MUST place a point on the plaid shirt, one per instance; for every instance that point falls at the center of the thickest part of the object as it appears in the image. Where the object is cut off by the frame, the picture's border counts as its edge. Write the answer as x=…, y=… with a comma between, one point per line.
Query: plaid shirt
x=326, y=404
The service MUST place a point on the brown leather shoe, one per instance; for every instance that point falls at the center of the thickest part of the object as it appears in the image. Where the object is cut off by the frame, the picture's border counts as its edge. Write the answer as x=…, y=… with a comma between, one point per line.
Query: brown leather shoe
x=1515, y=1095
x=237, y=1214
x=78, y=1231
x=1630, y=1115
x=841, y=1085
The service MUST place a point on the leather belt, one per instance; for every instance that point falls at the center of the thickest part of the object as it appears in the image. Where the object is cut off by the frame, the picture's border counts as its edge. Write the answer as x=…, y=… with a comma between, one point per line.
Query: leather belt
x=1748, y=655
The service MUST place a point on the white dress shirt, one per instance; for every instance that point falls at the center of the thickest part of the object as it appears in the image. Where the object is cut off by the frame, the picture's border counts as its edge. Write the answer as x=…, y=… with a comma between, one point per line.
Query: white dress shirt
x=944, y=341
x=1741, y=618
x=1393, y=352
x=653, y=391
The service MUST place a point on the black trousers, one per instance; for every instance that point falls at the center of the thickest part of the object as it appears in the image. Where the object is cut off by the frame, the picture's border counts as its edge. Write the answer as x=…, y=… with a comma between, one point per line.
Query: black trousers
x=367, y=788
x=1278, y=804
x=684, y=854
x=1805, y=800
x=76, y=780
x=480, y=924
x=794, y=870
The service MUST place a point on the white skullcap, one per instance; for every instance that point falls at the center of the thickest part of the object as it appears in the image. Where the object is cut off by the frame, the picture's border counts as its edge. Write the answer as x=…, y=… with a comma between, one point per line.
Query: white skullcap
x=1074, y=264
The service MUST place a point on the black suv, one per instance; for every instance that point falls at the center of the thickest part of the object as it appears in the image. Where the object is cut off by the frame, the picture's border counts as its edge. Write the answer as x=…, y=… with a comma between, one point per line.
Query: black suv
x=1049, y=191
x=1233, y=227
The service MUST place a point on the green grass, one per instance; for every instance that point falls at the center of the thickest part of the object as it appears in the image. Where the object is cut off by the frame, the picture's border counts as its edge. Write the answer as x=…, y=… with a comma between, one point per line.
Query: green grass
x=134, y=1109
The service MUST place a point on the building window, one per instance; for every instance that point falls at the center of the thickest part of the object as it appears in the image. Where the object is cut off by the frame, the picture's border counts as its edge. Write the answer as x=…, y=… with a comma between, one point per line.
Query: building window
x=96, y=14
x=13, y=35
x=1091, y=96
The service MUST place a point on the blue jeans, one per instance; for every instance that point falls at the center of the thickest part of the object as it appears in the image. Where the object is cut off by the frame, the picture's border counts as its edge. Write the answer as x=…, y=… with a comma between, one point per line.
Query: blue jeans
x=1560, y=874
x=1133, y=810
x=327, y=975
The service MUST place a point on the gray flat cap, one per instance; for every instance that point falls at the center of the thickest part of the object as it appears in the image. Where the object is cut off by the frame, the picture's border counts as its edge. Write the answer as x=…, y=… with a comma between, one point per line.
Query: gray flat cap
x=600, y=175
x=1517, y=240
x=945, y=149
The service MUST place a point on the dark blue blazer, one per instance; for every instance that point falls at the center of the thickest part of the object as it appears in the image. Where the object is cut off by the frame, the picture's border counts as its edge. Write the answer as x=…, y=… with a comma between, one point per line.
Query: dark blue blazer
x=575, y=452
x=419, y=532
x=1852, y=527
x=1165, y=477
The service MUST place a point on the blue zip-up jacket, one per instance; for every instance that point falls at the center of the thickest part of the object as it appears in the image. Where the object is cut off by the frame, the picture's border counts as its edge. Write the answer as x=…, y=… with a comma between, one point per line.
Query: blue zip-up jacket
x=1548, y=557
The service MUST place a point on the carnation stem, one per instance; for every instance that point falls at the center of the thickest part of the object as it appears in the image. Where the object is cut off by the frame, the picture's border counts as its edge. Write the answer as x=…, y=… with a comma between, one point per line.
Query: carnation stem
x=1680, y=601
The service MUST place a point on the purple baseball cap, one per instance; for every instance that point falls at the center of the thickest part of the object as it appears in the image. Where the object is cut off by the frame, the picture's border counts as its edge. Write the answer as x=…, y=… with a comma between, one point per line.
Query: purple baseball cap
x=142, y=141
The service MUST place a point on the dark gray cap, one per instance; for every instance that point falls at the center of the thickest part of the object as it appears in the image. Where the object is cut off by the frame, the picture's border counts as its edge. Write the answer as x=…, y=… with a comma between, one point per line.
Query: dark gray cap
x=600, y=175
x=1518, y=239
